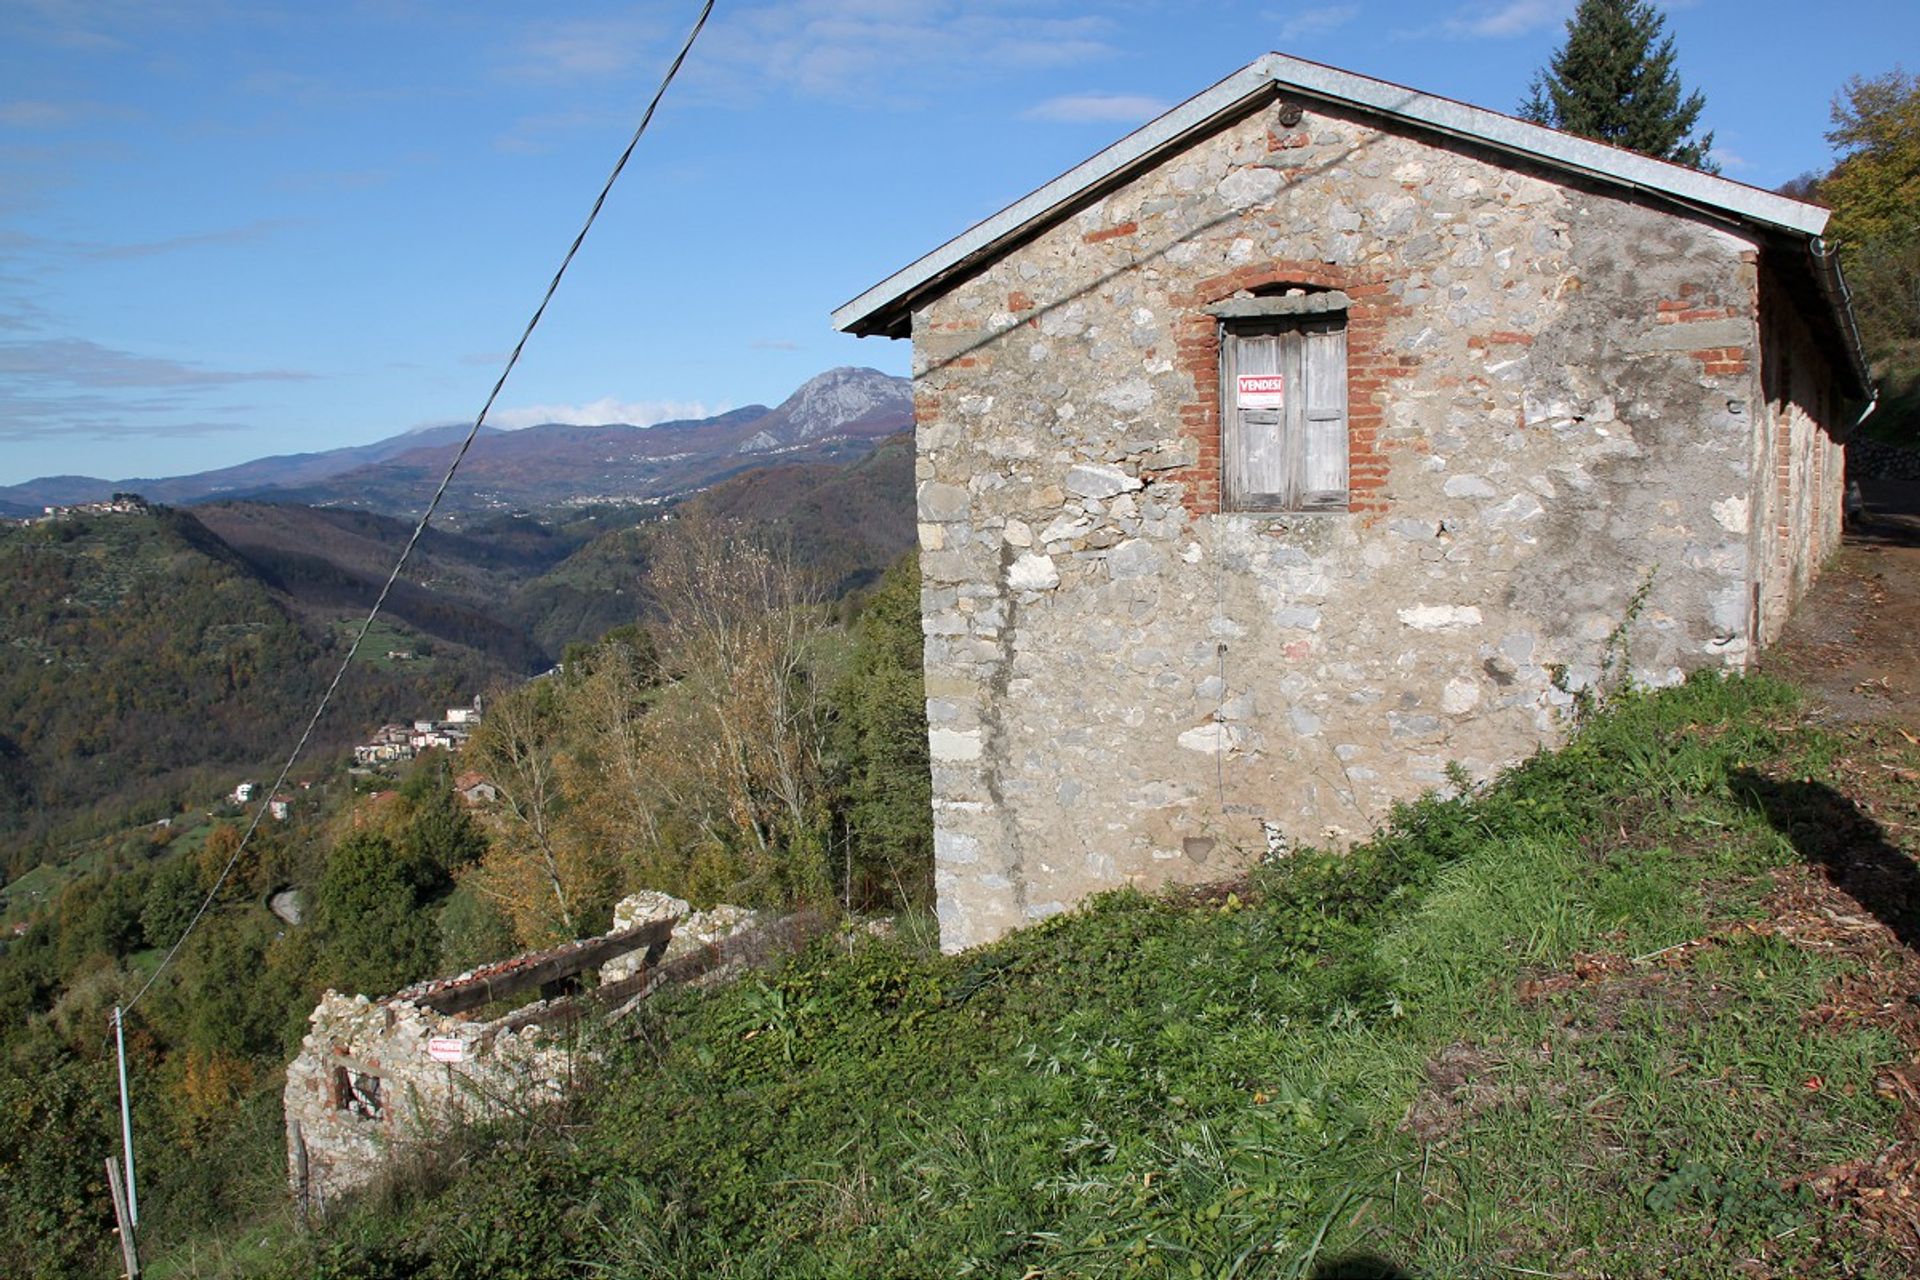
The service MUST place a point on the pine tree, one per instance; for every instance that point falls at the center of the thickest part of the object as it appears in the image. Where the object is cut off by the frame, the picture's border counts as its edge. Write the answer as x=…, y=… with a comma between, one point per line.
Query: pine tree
x=1613, y=80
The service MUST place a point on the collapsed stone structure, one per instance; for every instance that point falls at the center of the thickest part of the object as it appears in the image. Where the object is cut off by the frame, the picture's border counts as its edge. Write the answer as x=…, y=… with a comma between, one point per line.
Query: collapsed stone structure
x=375, y=1076
x=1322, y=433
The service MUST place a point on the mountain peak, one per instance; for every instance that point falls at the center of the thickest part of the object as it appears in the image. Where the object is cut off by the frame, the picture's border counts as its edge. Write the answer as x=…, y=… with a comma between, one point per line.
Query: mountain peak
x=831, y=400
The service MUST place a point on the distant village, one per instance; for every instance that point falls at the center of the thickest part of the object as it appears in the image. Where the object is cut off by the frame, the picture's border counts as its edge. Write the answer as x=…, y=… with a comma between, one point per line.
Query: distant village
x=393, y=743
x=120, y=504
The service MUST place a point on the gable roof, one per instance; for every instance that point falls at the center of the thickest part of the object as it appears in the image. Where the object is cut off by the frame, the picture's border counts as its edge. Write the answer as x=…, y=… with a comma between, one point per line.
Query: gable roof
x=886, y=308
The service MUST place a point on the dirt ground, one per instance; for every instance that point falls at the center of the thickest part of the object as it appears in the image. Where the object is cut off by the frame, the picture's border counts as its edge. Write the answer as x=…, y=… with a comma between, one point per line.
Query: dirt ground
x=1854, y=646
x=1854, y=642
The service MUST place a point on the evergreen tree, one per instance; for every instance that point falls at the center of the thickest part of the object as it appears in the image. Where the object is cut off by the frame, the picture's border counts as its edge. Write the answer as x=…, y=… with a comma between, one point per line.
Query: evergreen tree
x=1613, y=81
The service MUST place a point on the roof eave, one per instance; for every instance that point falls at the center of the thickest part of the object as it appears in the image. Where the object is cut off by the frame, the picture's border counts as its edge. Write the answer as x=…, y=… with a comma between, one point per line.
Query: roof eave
x=885, y=309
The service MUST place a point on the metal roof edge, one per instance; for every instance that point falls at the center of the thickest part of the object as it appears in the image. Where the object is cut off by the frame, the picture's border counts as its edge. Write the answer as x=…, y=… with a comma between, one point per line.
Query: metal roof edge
x=1280, y=72
x=1149, y=138
x=1536, y=141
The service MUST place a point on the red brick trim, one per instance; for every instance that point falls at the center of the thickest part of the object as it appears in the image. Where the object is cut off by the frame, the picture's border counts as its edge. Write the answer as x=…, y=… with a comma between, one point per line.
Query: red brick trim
x=1111, y=233
x=1726, y=361
x=1371, y=369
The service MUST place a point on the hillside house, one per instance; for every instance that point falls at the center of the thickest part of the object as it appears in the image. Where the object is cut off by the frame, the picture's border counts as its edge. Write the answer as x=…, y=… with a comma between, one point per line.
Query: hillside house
x=1319, y=434
x=474, y=790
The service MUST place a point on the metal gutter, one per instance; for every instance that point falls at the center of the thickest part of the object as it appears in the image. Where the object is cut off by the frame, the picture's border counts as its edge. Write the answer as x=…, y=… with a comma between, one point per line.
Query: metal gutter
x=1826, y=269
x=883, y=308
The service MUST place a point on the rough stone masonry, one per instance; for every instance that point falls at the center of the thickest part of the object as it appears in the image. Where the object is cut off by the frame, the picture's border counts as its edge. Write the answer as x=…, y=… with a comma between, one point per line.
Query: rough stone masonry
x=1581, y=422
x=375, y=1078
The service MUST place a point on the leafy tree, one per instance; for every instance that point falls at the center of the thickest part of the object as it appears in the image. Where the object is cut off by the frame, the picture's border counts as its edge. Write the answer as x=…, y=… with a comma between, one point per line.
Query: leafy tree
x=368, y=905
x=227, y=994
x=473, y=931
x=1874, y=189
x=439, y=833
x=882, y=740
x=173, y=895
x=1613, y=81
x=537, y=873
x=55, y=1218
x=1875, y=185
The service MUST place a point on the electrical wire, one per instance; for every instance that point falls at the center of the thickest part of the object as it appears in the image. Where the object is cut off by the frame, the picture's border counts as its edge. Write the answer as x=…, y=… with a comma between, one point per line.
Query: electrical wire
x=420, y=528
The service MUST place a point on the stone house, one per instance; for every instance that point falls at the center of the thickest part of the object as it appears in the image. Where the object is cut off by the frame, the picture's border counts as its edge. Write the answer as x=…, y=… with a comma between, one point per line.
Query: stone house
x=1322, y=433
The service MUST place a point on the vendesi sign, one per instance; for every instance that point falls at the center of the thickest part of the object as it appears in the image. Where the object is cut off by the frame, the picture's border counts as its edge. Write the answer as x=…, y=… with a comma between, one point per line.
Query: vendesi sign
x=447, y=1049
x=1261, y=391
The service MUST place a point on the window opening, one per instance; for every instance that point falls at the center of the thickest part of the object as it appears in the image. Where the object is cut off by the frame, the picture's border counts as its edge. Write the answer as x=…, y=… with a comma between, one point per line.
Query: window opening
x=356, y=1092
x=1283, y=395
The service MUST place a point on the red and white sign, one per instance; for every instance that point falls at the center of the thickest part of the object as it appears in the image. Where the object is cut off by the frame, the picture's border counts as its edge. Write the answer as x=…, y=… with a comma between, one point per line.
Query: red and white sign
x=446, y=1049
x=1261, y=391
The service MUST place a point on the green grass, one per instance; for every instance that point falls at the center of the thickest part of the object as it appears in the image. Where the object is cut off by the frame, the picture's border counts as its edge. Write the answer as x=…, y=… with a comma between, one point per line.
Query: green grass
x=1352, y=1065
x=383, y=637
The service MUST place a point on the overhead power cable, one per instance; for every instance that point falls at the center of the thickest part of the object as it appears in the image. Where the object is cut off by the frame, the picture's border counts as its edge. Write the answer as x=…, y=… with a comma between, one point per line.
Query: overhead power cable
x=420, y=528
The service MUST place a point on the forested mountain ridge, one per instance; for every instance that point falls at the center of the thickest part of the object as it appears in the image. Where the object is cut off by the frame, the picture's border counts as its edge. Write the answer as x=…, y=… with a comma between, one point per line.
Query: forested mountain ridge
x=327, y=560
x=144, y=658
x=843, y=524
x=140, y=653
x=836, y=416
x=279, y=470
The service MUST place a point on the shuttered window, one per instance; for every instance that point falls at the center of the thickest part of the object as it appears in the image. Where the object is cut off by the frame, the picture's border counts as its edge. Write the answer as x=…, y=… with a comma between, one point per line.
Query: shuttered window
x=1284, y=407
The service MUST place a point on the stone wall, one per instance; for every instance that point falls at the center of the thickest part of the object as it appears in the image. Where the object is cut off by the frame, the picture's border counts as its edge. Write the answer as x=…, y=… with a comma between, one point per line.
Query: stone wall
x=364, y=1086
x=1553, y=398
x=1799, y=501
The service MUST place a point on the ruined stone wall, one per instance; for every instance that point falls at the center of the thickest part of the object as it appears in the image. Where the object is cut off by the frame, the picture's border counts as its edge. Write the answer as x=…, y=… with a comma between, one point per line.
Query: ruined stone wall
x=363, y=1089
x=1551, y=402
x=365, y=1086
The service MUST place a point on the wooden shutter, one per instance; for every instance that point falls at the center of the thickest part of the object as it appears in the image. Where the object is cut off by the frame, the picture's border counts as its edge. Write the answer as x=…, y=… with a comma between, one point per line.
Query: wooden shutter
x=1256, y=453
x=1323, y=440
x=1294, y=457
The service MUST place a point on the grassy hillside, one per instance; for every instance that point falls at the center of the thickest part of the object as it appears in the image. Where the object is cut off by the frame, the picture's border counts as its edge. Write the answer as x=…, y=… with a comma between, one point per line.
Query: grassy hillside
x=1606, y=1017
x=141, y=657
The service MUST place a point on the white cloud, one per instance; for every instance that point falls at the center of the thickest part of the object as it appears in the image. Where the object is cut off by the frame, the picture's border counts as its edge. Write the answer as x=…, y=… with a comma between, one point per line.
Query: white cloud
x=532, y=135
x=1499, y=21
x=27, y=114
x=1305, y=23
x=77, y=362
x=874, y=50
x=773, y=344
x=605, y=412
x=585, y=49
x=1096, y=108
x=246, y=234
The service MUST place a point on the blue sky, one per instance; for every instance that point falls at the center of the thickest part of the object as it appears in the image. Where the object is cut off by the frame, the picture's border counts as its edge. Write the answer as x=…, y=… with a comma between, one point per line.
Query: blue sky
x=234, y=229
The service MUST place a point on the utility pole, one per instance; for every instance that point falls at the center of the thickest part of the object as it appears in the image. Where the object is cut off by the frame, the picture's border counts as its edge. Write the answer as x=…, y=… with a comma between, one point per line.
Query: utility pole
x=128, y=1253
x=126, y=1119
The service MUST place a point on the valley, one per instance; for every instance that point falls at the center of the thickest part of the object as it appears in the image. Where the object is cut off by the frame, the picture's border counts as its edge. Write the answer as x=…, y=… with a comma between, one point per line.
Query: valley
x=147, y=655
